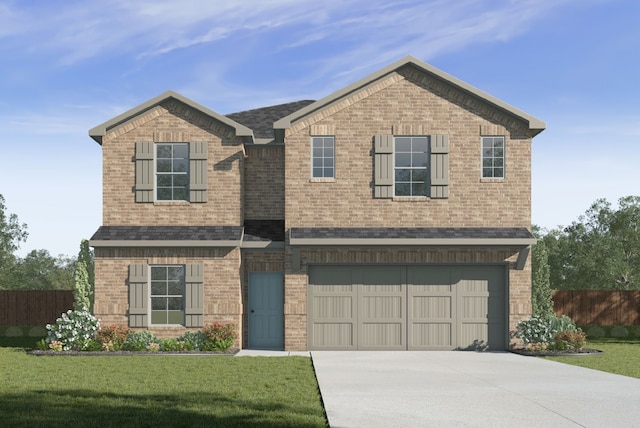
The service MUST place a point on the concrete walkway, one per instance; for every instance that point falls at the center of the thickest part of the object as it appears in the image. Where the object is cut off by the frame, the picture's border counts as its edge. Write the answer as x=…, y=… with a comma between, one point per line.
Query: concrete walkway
x=468, y=389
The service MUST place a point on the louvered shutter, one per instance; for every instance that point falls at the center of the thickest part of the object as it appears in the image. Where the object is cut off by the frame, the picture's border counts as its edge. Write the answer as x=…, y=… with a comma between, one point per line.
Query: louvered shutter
x=144, y=172
x=198, y=172
x=383, y=166
x=439, y=166
x=138, y=295
x=194, y=295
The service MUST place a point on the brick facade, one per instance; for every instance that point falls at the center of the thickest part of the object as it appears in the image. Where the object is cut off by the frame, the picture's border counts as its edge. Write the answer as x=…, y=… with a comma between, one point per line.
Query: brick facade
x=248, y=181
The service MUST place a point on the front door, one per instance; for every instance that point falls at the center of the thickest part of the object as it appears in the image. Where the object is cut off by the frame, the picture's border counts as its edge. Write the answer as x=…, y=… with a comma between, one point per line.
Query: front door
x=266, y=310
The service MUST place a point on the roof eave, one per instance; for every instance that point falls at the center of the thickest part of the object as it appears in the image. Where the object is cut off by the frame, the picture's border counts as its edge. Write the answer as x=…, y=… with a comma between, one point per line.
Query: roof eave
x=535, y=125
x=101, y=130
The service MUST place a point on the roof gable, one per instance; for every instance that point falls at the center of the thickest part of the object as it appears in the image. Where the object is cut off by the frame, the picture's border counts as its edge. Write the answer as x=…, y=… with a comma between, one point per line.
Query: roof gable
x=101, y=130
x=535, y=125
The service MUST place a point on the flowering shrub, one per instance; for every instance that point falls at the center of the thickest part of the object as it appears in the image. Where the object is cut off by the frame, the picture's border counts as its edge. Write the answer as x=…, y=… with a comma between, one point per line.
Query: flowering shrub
x=539, y=334
x=193, y=340
x=574, y=340
x=139, y=341
x=111, y=338
x=534, y=330
x=74, y=330
x=218, y=336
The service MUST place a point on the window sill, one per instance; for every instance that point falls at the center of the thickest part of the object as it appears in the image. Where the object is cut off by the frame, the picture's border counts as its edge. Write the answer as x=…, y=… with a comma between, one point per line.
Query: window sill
x=410, y=198
x=322, y=180
x=492, y=180
x=171, y=203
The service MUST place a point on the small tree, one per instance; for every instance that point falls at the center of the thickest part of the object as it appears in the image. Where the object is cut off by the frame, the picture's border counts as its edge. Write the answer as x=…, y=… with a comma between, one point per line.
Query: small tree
x=541, y=298
x=83, y=278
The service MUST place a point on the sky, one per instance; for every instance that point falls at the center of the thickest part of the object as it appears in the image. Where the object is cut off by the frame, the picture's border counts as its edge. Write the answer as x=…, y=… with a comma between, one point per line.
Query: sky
x=67, y=66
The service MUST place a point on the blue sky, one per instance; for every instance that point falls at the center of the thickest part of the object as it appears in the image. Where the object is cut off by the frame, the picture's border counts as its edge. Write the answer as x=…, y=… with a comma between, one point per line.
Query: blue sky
x=66, y=67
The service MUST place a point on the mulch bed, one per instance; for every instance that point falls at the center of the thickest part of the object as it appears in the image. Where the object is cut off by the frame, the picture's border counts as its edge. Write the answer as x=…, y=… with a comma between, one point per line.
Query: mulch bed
x=229, y=352
x=584, y=352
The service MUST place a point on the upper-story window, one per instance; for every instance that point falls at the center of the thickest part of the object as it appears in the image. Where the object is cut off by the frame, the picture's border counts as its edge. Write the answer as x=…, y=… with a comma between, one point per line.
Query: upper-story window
x=172, y=171
x=323, y=157
x=493, y=157
x=411, y=166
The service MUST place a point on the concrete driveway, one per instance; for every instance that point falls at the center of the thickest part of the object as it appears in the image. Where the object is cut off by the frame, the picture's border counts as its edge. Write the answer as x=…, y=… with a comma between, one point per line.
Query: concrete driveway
x=469, y=389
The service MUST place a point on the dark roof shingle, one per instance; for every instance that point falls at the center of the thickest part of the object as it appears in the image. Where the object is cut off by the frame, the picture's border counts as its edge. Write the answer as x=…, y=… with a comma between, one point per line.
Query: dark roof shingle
x=261, y=120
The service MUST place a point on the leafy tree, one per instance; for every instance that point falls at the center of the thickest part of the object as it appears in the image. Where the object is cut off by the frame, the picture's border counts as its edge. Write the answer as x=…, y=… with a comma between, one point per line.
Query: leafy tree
x=84, y=278
x=601, y=250
x=541, y=298
x=39, y=270
x=11, y=234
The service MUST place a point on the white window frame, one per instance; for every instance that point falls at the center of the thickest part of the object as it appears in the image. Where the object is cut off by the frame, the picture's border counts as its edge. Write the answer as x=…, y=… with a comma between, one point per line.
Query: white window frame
x=493, y=167
x=323, y=168
x=151, y=295
x=427, y=168
x=156, y=173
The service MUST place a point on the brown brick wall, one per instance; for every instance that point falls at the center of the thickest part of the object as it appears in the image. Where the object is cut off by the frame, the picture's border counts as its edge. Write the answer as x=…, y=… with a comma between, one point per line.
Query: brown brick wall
x=408, y=103
x=172, y=118
x=222, y=286
x=264, y=181
x=296, y=281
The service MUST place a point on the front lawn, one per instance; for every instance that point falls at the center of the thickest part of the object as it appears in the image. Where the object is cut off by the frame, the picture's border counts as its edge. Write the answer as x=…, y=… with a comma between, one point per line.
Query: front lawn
x=621, y=356
x=157, y=391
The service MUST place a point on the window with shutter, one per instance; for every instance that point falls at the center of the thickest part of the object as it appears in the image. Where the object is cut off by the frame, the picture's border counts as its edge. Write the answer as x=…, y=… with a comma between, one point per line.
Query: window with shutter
x=194, y=295
x=407, y=166
x=171, y=172
x=138, y=295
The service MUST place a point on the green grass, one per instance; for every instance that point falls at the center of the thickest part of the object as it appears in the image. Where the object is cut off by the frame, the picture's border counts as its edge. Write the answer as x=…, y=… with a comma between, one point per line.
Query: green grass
x=155, y=391
x=621, y=356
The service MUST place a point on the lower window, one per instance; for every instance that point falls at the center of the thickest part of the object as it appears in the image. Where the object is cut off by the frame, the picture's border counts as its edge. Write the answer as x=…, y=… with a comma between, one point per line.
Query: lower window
x=167, y=294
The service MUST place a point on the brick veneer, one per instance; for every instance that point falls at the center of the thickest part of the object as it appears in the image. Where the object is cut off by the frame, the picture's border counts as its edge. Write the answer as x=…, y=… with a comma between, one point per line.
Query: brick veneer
x=176, y=122
x=406, y=102
x=222, y=287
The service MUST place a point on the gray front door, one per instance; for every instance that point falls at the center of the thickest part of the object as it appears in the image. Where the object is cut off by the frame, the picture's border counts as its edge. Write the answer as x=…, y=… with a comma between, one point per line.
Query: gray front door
x=266, y=310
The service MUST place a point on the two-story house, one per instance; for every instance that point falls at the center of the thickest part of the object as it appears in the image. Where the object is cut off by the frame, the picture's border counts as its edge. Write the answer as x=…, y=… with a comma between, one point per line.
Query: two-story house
x=393, y=214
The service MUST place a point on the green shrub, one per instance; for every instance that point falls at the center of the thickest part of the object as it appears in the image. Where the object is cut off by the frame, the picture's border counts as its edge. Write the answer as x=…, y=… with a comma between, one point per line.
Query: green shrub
x=193, y=340
x=140, y=341
x=218, y=336
x=595, y=331
x=534, y=330
x=72, y=331
x=173, y=345
x=542, y=331
x=112, y=338
x=619, y=331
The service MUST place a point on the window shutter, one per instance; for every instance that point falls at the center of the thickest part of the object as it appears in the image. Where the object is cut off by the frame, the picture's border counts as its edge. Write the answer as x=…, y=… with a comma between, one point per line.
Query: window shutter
x=144, y=172
x=138, y=295
x=194, y=295
x=198, y=172
x=383, y=165
x=439, y=166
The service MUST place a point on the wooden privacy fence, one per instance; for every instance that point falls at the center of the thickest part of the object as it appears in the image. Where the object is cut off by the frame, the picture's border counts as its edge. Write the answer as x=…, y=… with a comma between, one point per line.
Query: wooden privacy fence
x=598, y=307
x=33, y=307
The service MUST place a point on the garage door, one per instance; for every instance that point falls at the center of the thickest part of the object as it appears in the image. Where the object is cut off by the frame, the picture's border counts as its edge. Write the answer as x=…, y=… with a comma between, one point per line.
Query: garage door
x=406, y=307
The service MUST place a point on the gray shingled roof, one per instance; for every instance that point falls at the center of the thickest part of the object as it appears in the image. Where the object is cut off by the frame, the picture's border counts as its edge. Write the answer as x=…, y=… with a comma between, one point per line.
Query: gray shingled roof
x=410, y=233
x=261, y=120
x=168, y=233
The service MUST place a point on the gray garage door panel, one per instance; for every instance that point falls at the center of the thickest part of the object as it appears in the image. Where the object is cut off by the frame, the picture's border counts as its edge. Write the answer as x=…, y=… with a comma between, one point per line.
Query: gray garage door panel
x=406, y=307
x=381, y=322
x=432, y=303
